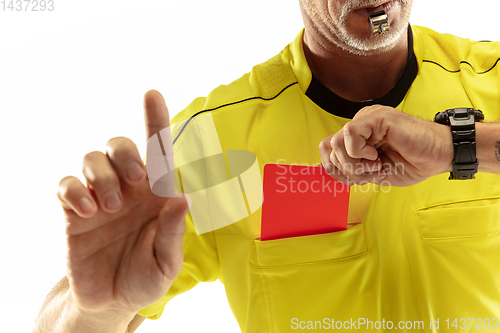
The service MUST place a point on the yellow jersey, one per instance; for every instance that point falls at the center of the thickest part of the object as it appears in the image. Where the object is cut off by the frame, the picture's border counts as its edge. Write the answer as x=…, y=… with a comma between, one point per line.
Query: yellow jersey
x=420, y=258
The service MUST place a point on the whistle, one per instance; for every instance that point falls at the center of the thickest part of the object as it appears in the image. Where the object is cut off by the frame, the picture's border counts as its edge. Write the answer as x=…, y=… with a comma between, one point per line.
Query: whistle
x=379, y=22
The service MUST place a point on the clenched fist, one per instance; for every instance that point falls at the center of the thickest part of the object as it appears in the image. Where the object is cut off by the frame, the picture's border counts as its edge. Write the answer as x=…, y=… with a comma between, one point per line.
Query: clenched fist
x=382, y=145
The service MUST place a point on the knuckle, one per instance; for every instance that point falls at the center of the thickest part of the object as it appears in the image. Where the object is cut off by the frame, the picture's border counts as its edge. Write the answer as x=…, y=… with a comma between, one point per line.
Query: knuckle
x=330, y=168
x=119, y=141
x=115, y=140
x=68, y=186
x=337, y=141
x=349, y=167
x=92, y=156
x=100, y=175
x=334, y=142
x=349, y=129
x=120, y=146
x=324, y=145
x=338, y=168
x=333, y=158
x=103, y=180
x=366, y=109
x=65, y=182
x=340, y=158
x=70, y=192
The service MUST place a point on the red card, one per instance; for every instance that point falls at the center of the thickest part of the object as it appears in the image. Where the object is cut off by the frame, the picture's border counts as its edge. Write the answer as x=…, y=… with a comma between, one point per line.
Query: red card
x=300, y=201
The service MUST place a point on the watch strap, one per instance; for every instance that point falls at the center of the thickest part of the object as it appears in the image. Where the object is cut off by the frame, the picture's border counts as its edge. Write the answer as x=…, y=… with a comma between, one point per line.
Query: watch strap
x=462, y=123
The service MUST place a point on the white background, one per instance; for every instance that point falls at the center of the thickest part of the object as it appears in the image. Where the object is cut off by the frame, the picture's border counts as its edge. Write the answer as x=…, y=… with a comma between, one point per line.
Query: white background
x=75, y=77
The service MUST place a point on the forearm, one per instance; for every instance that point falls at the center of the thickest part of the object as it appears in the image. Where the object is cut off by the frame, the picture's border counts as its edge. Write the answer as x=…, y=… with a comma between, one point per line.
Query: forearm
x=59, y=314
x=488, y=147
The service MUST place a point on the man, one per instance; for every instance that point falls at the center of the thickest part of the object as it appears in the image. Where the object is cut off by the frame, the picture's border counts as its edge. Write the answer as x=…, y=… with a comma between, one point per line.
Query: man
x=416, y=255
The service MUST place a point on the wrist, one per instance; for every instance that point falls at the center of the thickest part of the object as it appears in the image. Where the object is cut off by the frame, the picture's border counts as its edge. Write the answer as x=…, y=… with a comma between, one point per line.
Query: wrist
x=488, y=147
x=80, y=320
x=105, y=319
x=446, y=151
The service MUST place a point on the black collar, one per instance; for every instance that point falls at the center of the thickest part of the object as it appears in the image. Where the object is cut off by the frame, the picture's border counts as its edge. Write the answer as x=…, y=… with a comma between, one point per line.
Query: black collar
x=334, y=104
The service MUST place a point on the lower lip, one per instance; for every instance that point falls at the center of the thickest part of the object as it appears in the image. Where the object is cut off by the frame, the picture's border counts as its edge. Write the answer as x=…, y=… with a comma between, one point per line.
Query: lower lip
x=366, y=11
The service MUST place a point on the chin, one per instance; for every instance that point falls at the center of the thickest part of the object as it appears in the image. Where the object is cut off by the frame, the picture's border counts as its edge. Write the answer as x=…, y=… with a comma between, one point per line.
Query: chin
x=371, y=46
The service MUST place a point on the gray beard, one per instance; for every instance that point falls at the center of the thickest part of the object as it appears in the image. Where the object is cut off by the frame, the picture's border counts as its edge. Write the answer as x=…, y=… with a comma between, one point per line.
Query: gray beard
x=377, y=43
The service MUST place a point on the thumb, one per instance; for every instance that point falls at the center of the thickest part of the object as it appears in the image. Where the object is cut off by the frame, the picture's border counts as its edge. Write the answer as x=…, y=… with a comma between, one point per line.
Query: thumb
x=169, y=236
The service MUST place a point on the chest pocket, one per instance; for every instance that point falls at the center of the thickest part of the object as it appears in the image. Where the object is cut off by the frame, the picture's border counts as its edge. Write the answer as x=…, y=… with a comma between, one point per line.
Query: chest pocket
x=313, y=248
x=465, y=219
x=309, y=276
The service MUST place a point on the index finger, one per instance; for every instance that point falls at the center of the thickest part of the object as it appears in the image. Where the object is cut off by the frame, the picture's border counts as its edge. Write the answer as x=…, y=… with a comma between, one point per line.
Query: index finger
x=156, y=115
x=325, y=149
x=159, y=152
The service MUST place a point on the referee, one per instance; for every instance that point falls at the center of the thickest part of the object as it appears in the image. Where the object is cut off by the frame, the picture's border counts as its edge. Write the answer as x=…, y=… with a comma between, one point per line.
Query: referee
x=391, y=106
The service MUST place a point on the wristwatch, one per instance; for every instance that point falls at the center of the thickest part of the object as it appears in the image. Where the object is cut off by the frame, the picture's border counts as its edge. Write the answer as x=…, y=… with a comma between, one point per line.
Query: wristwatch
x=463, y=129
